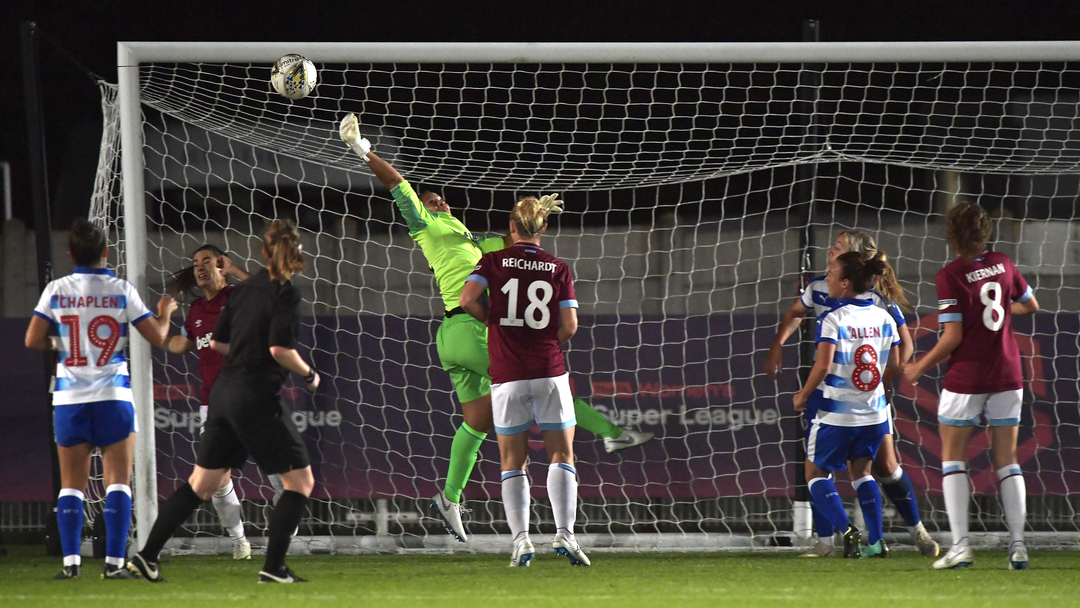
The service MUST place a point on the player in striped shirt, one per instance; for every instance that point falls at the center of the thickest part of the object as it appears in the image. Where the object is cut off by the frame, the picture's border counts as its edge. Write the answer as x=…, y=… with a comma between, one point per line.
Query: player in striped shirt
x=89, y=314
x=857, y=354
x=462, y=342
x=532, y=312
x=889, y=295
x=978, y=293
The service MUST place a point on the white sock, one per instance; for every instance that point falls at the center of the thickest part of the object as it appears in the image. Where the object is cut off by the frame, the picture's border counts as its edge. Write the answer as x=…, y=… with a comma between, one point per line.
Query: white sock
x=227, y=505
x=956, y=487
x=1013, y=500
x=515, y=497
x=562, y=490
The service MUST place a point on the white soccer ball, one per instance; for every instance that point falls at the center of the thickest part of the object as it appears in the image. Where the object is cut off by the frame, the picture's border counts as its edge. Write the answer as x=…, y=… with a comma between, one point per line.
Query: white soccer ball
x=294, y=76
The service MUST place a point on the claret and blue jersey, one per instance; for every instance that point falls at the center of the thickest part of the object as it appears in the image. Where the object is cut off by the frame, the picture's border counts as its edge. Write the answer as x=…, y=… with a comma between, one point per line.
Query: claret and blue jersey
x=978, y=294
x=528, y=289
x=91, y=311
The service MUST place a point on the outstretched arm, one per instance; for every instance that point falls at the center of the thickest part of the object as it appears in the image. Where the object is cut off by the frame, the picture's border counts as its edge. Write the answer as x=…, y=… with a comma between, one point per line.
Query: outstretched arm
x=384, y=171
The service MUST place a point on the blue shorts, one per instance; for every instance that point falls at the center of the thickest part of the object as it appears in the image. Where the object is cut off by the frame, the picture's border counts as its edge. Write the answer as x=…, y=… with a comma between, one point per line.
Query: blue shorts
x=830, y=447
x=101, y=423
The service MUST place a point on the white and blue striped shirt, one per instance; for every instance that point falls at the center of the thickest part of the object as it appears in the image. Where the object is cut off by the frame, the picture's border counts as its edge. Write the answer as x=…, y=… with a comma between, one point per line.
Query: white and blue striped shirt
x=852, y=393
x=816, y=297
x=91, y=312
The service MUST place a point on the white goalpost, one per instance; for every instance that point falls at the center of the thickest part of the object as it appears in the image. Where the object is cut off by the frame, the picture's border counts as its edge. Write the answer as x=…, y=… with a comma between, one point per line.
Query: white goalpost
x=703, y=183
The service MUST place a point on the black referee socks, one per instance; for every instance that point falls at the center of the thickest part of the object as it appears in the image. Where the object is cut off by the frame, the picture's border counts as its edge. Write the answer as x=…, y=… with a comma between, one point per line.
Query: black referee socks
x=171, y=515
x=283, y=522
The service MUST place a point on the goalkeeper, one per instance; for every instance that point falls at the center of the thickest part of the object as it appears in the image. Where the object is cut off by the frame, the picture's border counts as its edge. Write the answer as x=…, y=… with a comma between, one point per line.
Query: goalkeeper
x=453, y=252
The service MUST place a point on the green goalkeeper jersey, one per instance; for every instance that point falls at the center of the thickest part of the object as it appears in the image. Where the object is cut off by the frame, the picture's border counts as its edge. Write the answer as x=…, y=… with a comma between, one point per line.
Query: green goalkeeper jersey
x=450, y=249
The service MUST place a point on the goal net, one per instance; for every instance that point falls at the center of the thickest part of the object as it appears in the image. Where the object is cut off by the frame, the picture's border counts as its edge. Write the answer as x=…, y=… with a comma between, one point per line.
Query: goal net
x=703, y=184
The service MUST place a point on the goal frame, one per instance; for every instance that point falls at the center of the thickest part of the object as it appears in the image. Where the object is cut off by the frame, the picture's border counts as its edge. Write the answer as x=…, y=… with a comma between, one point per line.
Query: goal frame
x=131, y=55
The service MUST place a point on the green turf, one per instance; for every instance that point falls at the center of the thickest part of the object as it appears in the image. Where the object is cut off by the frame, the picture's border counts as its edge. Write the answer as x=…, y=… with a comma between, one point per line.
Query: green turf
x=645, y=579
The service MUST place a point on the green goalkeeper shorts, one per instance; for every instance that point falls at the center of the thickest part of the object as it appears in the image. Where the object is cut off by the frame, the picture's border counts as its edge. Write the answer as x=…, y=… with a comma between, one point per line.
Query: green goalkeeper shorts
x=463, y=350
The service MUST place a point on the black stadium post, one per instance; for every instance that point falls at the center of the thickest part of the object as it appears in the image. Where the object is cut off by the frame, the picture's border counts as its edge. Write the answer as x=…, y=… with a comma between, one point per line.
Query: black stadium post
x=35, y=125
x=806, y=178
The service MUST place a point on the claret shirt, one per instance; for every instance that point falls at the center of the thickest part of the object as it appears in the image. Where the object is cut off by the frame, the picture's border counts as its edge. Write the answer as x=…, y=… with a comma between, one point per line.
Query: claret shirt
x=978, y=294
x=199, y=328
x=527, y=287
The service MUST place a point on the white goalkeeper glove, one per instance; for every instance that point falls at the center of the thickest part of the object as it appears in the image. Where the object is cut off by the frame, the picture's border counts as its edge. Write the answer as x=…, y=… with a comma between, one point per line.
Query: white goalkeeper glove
x=350, y=134
x=551, y=204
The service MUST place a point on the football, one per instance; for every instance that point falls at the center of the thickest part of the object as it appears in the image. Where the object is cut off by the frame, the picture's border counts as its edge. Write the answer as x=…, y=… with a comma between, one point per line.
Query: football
x=294, y=76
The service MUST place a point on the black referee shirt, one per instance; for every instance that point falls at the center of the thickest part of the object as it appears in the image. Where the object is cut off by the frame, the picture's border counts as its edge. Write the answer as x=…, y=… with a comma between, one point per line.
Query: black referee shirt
x=259, y=313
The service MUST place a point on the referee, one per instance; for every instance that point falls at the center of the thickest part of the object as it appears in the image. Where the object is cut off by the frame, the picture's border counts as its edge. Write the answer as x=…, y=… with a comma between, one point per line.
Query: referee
x=257, y=333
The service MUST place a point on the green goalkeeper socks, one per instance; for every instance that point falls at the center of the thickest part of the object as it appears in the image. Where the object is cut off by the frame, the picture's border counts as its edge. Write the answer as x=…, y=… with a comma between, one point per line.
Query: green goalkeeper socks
x=593, y=421
x=462, y=458
x=467, y=443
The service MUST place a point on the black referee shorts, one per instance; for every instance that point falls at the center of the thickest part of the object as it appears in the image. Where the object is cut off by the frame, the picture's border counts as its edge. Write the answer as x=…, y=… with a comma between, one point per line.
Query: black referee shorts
x=246, y=418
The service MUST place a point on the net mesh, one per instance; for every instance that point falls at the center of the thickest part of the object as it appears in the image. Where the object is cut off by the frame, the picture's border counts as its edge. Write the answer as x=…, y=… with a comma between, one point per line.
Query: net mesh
x=688, y=189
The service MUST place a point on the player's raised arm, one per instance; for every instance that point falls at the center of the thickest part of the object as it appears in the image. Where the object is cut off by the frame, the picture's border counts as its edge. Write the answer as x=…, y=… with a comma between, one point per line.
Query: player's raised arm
x=384, y=171
x=232, y=270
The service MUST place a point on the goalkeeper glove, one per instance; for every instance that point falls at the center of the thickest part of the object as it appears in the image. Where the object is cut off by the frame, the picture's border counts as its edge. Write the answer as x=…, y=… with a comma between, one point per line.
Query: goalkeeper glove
x=550, y=203
x=350, y=134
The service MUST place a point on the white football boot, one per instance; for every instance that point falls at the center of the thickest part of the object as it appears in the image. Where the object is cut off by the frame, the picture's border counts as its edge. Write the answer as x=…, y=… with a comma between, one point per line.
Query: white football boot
x=957, y=557
x=1018, y=557
x=569, y=548
x=450, y=513
x=523, y=553
x=628, y=439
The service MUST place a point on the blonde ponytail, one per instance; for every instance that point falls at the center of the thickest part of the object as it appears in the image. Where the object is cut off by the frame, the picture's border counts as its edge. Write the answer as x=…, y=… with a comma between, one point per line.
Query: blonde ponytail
x=885, y=282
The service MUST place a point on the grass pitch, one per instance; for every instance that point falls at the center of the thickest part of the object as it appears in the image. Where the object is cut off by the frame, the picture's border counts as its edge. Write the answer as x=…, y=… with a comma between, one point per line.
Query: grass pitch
x=647, y=579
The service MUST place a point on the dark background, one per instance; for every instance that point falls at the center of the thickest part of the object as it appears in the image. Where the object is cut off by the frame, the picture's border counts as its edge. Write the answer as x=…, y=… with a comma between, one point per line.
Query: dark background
x=88, y=30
